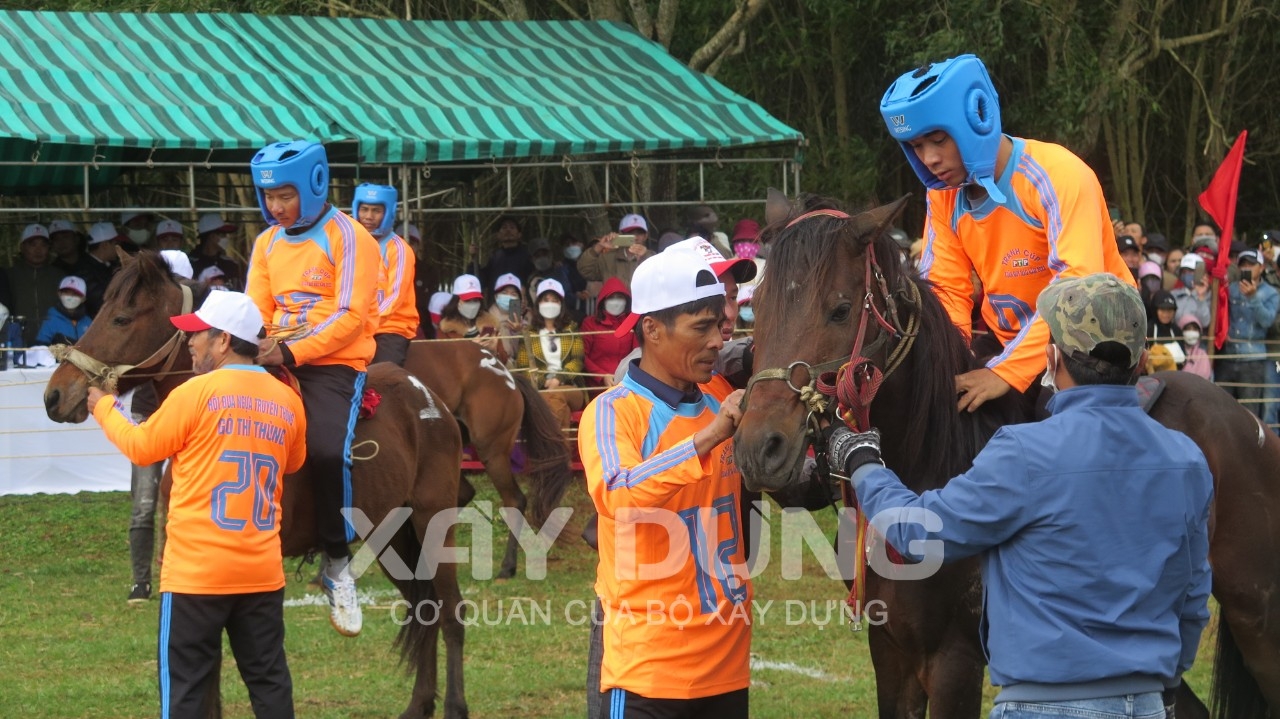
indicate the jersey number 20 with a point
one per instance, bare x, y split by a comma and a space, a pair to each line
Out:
259, 471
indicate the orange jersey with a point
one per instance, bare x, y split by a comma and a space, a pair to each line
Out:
1053, 224
397, 299
233, 434
326, 277
684, 632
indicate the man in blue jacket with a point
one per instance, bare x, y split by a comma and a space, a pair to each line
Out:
1092, 524
1253, 308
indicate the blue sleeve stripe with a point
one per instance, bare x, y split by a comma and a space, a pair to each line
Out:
1049, 200
389, 301
1013, 343
606, 418
926, 255
348, 272
660, 462
119, 407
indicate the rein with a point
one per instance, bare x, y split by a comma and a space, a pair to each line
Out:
107, 376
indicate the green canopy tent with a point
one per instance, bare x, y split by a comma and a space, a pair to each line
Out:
85, 94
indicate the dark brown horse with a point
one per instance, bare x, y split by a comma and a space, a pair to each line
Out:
927, 655
414, 450
495, 407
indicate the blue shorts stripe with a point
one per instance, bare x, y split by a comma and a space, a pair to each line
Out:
347, 494
166, 617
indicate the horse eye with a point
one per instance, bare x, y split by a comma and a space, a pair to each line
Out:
121, 320
841, 313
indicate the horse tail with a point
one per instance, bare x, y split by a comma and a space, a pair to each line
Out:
415, 637
1235, 693
547, 457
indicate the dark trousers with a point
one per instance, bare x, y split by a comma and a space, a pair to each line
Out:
622, 704
391, 348
331, 396
190, 649
1253, 372
595, 657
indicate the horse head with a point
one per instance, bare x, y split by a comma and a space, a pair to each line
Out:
810, 306
130, 332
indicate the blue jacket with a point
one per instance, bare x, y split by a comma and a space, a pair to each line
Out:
1092, 526
1250, 318
56, 323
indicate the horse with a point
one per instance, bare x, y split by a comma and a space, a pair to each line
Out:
827, 278
494, 407
410, 453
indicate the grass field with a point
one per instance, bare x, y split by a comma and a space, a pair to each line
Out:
73, 648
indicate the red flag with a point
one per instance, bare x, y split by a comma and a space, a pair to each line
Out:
1219, 200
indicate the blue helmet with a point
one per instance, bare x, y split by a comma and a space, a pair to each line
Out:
957, 97
300, 163
371, 194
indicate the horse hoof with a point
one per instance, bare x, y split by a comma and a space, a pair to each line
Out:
506, 573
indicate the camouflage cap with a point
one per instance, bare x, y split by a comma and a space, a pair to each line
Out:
1084, 312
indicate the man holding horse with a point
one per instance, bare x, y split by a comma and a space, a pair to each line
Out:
1019, 213
375, 209
314, 276
665, 484
233, 432
1092, 525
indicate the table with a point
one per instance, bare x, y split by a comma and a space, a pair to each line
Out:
39, 455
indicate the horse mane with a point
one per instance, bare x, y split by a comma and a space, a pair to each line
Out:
938, 442
144, 273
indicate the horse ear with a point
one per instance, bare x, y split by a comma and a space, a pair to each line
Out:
871, 224
124, 257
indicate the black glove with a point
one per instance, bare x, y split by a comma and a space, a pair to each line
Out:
847, 450
1170, 697
61, 339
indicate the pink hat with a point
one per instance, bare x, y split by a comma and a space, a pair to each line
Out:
1185, 320
1149, 269
746, 231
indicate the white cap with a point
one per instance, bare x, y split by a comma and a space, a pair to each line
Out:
467, 287
745, 293
438, 301
72, 283
34, 230
169, 227
210, 272
743, 270
126, 216
508, 280
633, 222
550, 285
669, 279
231, 312
102, 232
213, 221
1190, 261
179, 263
411, 232
61, 226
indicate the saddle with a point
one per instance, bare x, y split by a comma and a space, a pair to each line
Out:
369, 401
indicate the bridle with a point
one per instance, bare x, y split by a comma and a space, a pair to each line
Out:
106, 376
853, 381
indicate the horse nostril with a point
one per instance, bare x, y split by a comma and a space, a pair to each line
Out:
773, 446
51, 399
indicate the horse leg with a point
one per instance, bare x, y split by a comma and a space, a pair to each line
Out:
1258, 642
1188, 705
446, 615
496, 456
899, 693
466, 491
954, 682
451, 609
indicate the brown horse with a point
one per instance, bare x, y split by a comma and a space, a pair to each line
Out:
494, 407
413, 452
927, 655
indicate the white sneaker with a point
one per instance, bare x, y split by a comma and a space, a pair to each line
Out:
344, 606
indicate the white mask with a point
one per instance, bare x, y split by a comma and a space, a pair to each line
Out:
140, 237
1191, 337
1156, 257
469, 309
71, 301
1047, 379
549, 310
615, 305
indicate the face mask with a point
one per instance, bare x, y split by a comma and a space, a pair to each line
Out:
469, 309
1191, 337
549, 310
140, 237
1151, 284
542, 264
1156, 257
572, 252
615, 306
504, 302
71, 301
747, 314
1046, 379
1188, 279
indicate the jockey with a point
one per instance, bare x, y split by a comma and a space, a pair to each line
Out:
1020, 213
312, 271
375, 209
